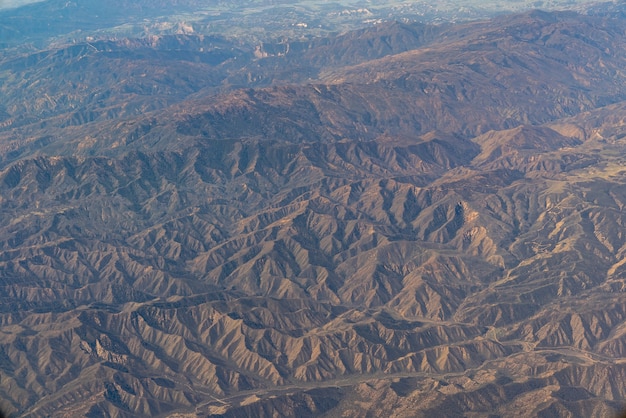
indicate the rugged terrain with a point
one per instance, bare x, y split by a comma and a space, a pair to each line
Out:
405, 220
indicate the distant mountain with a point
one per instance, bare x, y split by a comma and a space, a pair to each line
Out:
37, 24
405, 220
39, 21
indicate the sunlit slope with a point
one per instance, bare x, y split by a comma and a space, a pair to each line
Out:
435, 228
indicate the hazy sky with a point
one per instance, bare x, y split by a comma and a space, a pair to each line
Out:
4, 4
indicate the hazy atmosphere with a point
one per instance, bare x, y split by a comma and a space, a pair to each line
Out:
13, 3
312, 209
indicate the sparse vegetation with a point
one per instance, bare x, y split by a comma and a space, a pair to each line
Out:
400, 220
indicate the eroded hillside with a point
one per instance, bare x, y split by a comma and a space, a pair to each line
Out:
428, 221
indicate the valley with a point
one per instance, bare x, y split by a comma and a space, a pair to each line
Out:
411, 219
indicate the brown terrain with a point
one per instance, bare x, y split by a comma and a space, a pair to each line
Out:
407, 221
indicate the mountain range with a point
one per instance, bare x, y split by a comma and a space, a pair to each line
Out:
407, 220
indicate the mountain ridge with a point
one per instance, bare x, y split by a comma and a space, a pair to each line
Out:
406, 236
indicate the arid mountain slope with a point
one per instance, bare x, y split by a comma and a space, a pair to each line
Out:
466, 80
429, 228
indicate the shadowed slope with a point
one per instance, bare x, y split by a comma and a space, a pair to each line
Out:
437, 231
